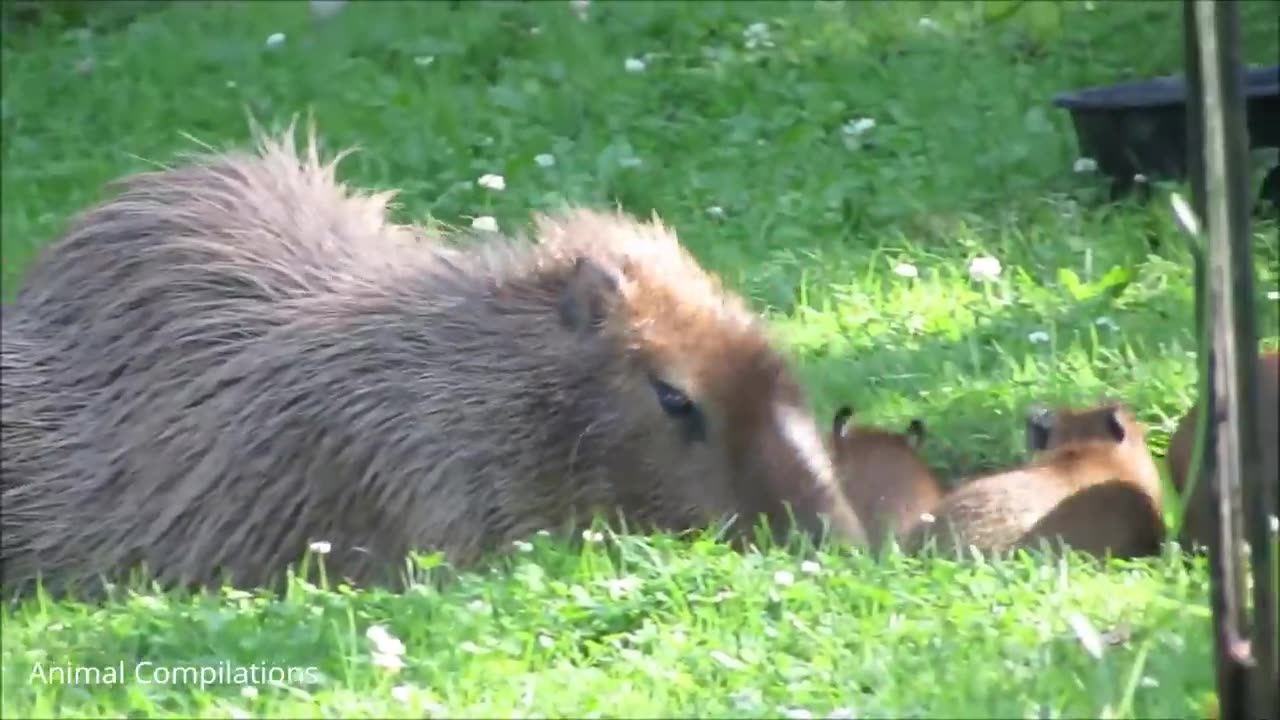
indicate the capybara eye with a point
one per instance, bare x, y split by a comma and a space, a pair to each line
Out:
680, 407
676, 403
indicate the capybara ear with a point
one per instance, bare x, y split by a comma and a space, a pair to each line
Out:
841, 420
915, 432
1115, 424
1040, 423
587, 294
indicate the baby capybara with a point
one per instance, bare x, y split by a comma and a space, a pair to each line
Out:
1092, 485
1198, 508
883, 476
260, 360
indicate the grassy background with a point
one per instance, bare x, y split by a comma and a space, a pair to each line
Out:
741, 142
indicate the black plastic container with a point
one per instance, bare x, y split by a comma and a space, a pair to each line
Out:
1139, 127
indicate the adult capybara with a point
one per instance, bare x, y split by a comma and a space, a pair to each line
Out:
1092, 485
883, 476
1198, 507
261, 360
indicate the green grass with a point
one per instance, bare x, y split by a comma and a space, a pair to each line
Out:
967, 158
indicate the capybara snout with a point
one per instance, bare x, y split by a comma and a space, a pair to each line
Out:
238, 356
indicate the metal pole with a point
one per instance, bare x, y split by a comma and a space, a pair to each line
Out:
1227, 453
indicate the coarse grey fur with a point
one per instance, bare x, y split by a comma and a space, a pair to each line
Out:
239, 356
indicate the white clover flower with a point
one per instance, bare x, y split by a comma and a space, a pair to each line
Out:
858, 126
810, 567
388, 662
384, 642
401, 693
593, 536
522, 545
485, 223
928, 518
1275, 524
782, 577
320, 547
984, 269
634, 65
1038, 336
326, 8
391, 646
544, 160
715, 211
376, 634
275, 40
1084, 165
1139, 178
248, 692
906, 270
424, 60
489, 181
621, 587
1273, 295
545, 642
757, 36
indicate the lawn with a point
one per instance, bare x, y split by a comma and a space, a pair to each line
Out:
841, 164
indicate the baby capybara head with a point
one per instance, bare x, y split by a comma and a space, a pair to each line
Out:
865, 442
1107, 433
704, 417
882, 474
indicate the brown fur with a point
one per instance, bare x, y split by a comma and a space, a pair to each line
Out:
246, 357
1198, 509
1092, 485
883, 475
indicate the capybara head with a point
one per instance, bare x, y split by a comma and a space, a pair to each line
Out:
882, 474
1198, 521
260, 359
702, 414
1107, 433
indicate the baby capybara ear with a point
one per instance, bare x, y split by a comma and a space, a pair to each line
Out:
1115, 424
915, 432
589, 290
840, 421
1040, 423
